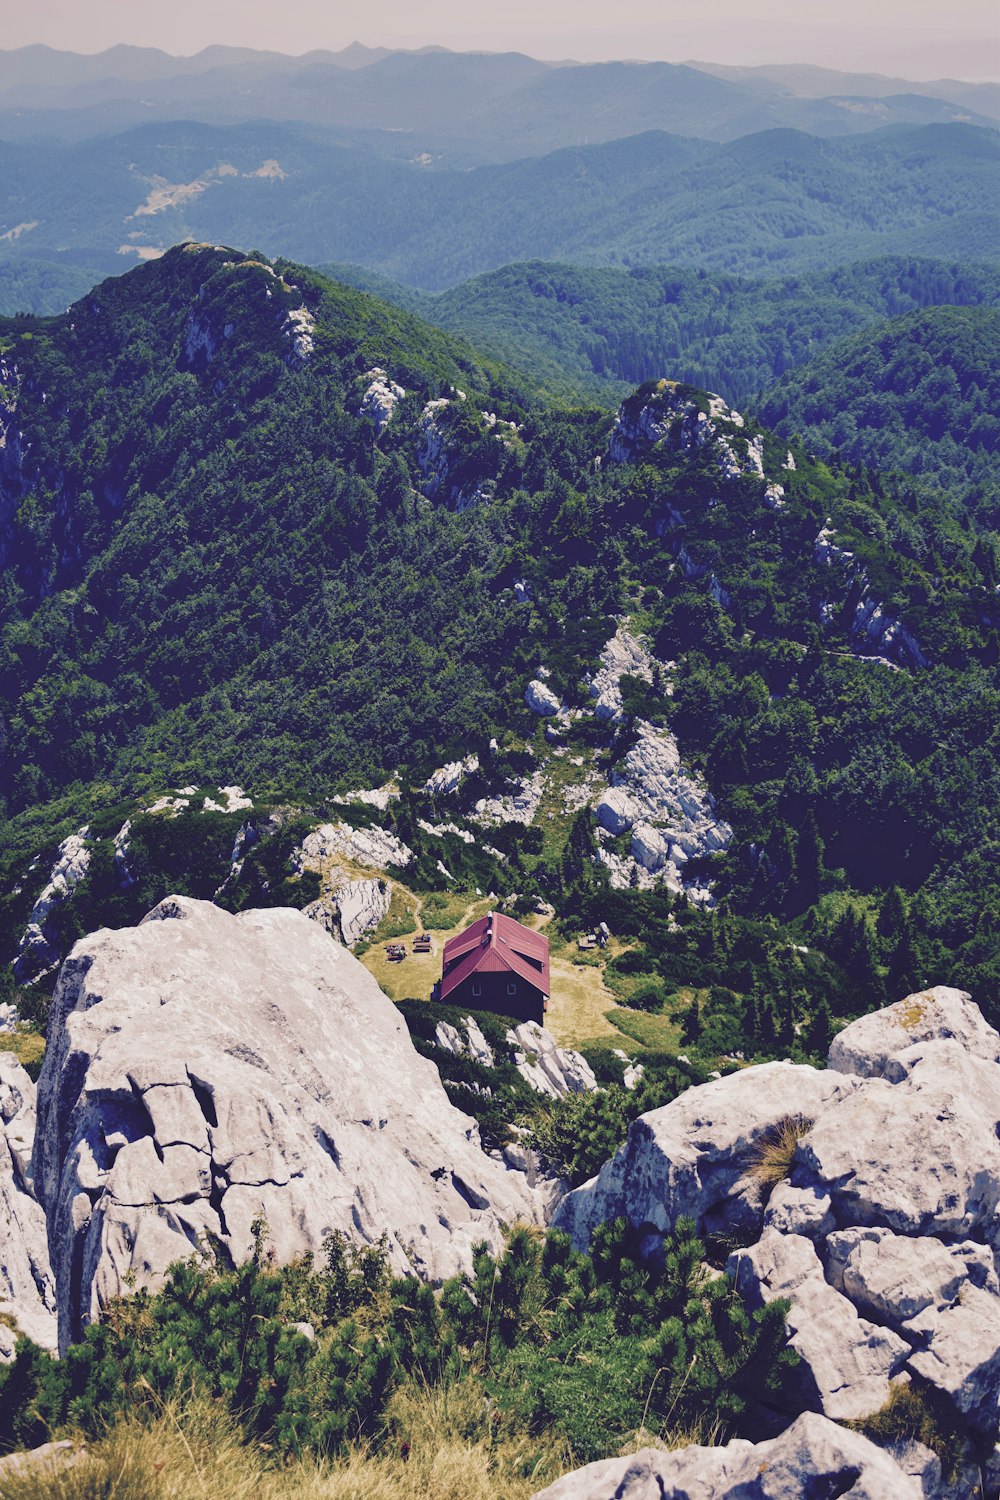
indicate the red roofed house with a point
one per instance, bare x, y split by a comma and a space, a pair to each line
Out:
499, 965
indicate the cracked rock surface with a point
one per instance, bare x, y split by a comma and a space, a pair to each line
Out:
204, 1069
883, 1230
814, 1459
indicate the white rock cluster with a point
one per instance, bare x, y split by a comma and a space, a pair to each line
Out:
381, 398
379, 797
374, 847
812, 1457
448, 779
204, 1069
71, 865
669, 815
544, 1066
541, 699
298, 328
624, 655
885, 1235
677, 421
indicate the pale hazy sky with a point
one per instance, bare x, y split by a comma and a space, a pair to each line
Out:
920, 39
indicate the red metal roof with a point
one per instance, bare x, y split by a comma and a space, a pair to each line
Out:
495, 944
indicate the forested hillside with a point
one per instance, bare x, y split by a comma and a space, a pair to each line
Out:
596, 333
919, 393
776, 202
258, 527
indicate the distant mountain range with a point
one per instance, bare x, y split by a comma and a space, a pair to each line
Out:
777, 203
461, 108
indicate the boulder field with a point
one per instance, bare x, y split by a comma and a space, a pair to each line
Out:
205, 1070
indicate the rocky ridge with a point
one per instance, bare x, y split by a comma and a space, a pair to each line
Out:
205, 1070
867, 1194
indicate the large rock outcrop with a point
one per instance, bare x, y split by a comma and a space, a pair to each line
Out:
884, 1230
205, 1069
27, 1286
812, 1458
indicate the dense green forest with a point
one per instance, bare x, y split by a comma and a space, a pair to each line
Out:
589, 333
920, 393
218, 569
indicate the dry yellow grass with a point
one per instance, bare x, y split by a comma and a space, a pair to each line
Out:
775, 1148
27, 1046
446, 1434
415, 976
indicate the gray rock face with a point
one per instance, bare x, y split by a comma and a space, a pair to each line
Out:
694, 1157
846, 1361
204, 1069
27, 1286
885, 1234
812, 1458
868, 1046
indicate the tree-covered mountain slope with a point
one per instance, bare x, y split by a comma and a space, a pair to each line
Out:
776, 202
259, 528
920, 393
595, 333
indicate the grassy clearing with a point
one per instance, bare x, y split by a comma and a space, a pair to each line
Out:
660, 1033
552, 816
416, 975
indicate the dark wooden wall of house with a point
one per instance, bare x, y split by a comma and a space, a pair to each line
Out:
526, 1004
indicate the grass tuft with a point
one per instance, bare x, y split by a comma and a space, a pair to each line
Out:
774, 1149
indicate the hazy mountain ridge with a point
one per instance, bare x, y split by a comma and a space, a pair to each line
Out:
508, 104
783, 201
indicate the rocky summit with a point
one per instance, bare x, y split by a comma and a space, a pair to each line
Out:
206, 1071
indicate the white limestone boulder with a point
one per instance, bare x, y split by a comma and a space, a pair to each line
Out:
361, 904
204, 1069
960, 1355
541, 699
868, 1045
617, 810
894, 1277
695, 1156
846, 1362
812, 1457
27, 1285
920, 1157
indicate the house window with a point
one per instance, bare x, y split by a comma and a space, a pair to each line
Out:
512, 989
477, 989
